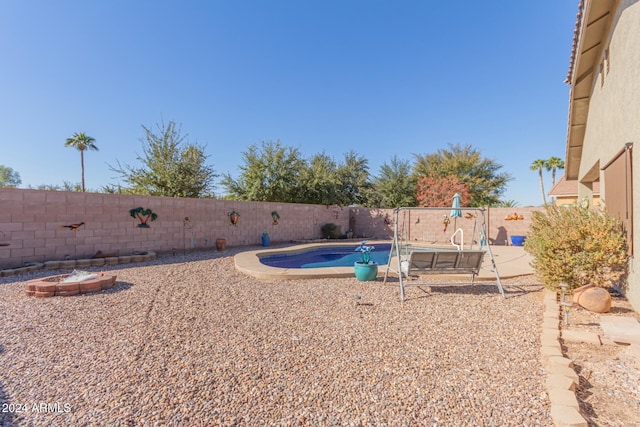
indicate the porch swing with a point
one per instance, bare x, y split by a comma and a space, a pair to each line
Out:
413, 260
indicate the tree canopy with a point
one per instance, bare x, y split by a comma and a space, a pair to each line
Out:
270, 173
273, 172
171, 166
319, 181
8, 177
394, 184
481, 176
438, 191
353, 180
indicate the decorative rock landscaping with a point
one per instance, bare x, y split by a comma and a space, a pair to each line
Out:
597, 300
81, 263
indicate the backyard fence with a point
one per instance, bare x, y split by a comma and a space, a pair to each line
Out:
40, 225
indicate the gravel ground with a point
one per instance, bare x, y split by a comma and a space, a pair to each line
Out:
191, 341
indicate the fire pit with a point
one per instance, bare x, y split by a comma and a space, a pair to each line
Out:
55, 285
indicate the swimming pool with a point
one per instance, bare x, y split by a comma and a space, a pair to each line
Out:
333, 256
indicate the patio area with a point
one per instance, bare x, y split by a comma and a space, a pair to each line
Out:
189, 340
511, 261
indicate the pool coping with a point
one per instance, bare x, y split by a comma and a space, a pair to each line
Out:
511, 262
249, 263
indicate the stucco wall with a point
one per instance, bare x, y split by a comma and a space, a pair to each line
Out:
615, 100
31, 224
614, 113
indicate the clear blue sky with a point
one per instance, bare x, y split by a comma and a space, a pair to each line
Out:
379, 77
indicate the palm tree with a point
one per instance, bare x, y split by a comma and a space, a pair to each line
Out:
538, 165
81, 142
552, 164
508, 204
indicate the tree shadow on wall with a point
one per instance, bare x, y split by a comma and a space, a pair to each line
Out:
378, 224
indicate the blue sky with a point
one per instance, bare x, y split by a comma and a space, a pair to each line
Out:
379, 77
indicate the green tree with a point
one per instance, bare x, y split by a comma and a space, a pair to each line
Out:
538, 165
81, 142
394, 184
66, 186
318, 181
270, 173
8, 177
171, 166
353, 180
481, 176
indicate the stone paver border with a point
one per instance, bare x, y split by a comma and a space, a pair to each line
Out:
561, 379
80, 263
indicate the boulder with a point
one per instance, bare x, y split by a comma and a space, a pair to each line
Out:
595, 299
577, 292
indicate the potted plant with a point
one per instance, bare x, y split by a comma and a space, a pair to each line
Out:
265, 239
276, 216
349, 233
233, 217
365, 270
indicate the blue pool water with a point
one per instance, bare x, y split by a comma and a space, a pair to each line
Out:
343, 256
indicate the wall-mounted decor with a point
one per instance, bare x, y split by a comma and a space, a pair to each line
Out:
514, 217
233, 217
143, 215
276, 216
336, 209
2, 239
73, 227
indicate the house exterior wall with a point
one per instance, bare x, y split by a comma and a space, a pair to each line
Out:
613, 115
572, 200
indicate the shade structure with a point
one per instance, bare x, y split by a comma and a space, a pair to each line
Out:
455, 208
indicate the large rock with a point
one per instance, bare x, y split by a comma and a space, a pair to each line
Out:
595, 299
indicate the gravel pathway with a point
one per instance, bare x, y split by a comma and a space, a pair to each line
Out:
191, 341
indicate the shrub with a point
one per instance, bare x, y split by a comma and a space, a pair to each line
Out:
438, 191
577, 246
331, 231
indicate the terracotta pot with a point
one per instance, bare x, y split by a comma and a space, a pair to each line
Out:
221, 244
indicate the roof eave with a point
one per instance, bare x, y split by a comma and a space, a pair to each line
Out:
591, 30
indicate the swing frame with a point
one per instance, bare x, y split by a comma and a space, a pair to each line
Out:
456, 260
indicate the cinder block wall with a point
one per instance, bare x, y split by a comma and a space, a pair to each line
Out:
427, 225
31, 224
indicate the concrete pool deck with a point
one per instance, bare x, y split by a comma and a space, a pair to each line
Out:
511, 261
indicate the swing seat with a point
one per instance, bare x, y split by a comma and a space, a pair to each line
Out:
445, 261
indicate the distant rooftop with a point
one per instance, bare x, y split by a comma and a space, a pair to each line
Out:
570, 188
